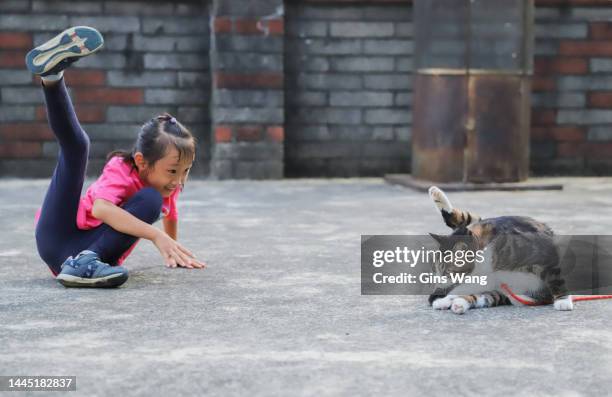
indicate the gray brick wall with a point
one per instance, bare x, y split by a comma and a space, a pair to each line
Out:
571, 104
330, 91
348, 87
155, 59
247, 106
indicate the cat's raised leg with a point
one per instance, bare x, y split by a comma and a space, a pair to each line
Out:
440, 200
453, 217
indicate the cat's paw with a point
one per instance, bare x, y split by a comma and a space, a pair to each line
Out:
460, 306
440, 199
442, 303
564, 303
437, 294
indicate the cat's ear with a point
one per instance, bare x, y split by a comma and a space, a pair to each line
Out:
439, 239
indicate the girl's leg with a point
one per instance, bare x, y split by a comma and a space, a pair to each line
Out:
111, 244
57, 222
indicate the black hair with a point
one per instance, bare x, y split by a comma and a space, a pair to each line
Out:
154, 138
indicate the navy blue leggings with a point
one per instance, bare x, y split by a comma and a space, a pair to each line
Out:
57, 235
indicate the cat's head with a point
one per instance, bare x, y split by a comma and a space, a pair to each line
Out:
456, 252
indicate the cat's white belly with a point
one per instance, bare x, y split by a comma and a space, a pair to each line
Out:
520, 283
523, 284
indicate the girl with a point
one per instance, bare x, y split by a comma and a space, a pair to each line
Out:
83, 239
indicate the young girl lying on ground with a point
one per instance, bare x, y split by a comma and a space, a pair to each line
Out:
83, 240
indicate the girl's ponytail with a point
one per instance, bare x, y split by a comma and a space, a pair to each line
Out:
154, 138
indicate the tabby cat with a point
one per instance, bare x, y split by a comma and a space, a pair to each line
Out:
518, 251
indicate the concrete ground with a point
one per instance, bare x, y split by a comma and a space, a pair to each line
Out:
279, 310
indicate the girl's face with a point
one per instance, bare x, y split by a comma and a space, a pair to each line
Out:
167, 174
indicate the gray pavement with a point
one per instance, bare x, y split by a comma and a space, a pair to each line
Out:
279, 310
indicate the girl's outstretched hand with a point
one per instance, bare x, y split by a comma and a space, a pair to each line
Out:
174, 254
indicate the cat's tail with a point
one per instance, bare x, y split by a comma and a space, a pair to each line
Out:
453, 217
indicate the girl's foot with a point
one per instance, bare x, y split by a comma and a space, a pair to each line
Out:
86, 270
61, 51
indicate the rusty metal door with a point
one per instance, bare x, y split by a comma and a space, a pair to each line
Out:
472, 87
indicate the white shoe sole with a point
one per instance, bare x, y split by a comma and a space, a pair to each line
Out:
46, 56
113, 280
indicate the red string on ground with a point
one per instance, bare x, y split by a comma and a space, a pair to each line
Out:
532, 303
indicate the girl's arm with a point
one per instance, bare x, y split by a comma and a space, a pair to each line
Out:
174, 254
122, 221
170, 227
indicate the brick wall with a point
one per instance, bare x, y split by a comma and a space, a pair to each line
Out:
247, 89
572, 89
349, 93
348, 89
155, 59
319, 88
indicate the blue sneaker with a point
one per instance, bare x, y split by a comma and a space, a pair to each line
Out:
61, 51
86, 270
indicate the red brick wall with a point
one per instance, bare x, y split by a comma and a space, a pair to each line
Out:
247, 110
155, 59
572, 88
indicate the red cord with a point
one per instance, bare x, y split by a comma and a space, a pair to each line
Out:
531, 303
519, 299
591, 297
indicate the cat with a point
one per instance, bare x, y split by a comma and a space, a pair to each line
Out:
517, 251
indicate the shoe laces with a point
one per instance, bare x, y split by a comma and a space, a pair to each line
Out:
92, 262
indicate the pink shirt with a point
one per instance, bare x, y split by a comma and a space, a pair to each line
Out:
118, 182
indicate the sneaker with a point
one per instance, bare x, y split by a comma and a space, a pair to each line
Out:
61, 51
86, 270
